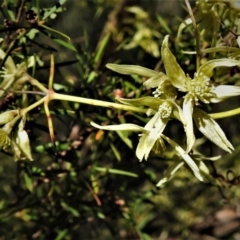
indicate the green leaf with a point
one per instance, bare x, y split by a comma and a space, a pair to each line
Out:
101, 48
116, 152
125, 138
28, 182
211, 130
68, 45
70, 209
131, 70
207, 68
115, 171
54, 9
163, 24
61, 234
173, 70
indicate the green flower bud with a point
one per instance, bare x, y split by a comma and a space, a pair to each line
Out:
7, 116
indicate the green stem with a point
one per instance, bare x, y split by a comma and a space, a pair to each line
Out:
36, 83
229, 113
57, 96
34, 105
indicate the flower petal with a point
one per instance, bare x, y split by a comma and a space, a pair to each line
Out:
120, 127
178, 113
150, 102
207, 68
131, 70
225, 91
187, 112
169, 173
155, 81
174, 72
211, 130
155, 126
189, 161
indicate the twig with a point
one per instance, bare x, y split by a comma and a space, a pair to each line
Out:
196, 33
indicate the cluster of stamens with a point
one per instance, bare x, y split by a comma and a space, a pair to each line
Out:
200, 88
165, 109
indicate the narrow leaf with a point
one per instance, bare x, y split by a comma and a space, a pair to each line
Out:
28, 182
68, 45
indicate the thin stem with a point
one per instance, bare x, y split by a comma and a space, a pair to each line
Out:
31, 107
58, 96
36, 83
196, 33
24, 92
49, 120
51, 75
225, 114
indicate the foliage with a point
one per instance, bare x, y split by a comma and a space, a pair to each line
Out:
73, 180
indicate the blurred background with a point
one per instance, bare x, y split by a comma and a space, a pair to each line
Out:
91, 185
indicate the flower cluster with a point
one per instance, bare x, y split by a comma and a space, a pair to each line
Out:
163, 107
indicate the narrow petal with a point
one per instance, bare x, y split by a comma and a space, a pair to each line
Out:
174, 72
211, 130
187, 112
155, 128
225, 91
169, 173
178, 113
131, 70
155, 81
189, 161
120, 127
207, 68
150, 102
206, 173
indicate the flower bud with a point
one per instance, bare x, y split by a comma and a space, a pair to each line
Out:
6, 117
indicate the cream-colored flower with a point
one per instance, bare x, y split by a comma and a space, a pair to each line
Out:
200, 88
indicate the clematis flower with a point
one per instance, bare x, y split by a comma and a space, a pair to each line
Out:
200, 88
150, 137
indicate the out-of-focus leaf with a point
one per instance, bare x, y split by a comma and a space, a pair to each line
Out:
28, 181
116, 152
125, 138
101, 48
61, 234
73, 211
116, 171
65, 44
